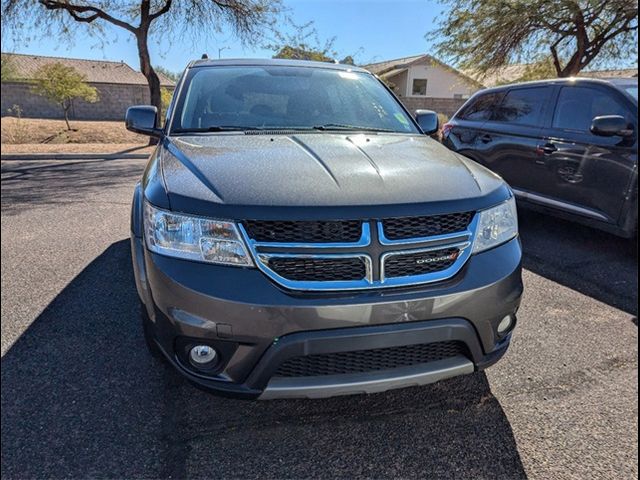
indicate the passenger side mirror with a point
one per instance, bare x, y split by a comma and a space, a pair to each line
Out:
611, 125
143, 119
428, 121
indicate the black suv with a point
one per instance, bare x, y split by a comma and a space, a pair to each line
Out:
298, 234
567, 146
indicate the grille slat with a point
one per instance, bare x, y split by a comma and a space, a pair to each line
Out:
419, 263
361, 361
319, 269
403, 228
304, 231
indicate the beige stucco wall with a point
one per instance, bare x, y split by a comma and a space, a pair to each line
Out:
441, 83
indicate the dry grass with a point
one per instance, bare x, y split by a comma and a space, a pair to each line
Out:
52, 148
53, 132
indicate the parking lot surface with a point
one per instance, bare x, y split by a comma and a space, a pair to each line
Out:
81, 397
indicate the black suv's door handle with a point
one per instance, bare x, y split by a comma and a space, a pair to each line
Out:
546, 149
486, 138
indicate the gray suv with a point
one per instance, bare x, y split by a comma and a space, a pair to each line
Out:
297, 233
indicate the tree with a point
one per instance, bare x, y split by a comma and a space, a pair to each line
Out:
166, 95
174, 76
298, 53
8, 69
61, 84
302, 42
485, 35
141, 18
534, 71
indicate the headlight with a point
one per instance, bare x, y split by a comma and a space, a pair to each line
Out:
194, 238
496, 225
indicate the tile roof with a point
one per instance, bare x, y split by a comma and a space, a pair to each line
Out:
96, 71
499, 76
621, 73
511, 73
381, 67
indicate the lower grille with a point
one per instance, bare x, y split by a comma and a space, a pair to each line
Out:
361, 361
319, 269
419, 263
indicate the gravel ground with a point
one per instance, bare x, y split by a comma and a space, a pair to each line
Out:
82, 398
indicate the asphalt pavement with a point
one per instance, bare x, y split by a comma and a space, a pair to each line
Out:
81, 397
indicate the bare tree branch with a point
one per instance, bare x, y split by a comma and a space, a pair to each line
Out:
165, 8
74, 10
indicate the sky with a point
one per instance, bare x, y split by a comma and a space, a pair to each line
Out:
374, 29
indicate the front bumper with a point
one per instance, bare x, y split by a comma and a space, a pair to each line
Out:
257, 324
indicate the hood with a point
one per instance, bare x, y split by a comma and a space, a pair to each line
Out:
322, 170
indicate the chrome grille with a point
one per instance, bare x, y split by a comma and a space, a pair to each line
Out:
361, 361
305, 231
319, 269
330, 255
426, 226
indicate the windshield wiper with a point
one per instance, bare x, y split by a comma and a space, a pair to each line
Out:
216, 128
343, 126
324, 127
236, 128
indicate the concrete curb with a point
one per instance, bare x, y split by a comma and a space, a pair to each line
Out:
73, 156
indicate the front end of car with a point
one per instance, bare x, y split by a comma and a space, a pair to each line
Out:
286, 308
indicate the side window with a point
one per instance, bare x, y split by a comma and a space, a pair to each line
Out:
577, 106
481, 108
523, 106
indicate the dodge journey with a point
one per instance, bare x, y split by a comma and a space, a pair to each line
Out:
298, 234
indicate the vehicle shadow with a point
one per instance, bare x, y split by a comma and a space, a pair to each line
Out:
81, 397
592, 262
61, 182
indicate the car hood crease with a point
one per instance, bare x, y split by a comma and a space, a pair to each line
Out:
318, 170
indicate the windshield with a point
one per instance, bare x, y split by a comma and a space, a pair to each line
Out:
276, 97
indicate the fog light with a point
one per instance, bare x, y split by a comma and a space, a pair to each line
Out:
505, 324
203, 356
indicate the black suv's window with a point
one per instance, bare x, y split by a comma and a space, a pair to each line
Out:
577, 106
523, 106
631, 90
481, 107
283, 97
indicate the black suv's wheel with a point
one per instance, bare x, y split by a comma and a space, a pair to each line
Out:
154, 350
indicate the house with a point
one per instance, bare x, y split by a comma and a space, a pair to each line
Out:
515, 73
119, 86
422, 81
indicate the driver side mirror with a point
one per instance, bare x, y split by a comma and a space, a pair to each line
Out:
143, 119
611, 126
428, 121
